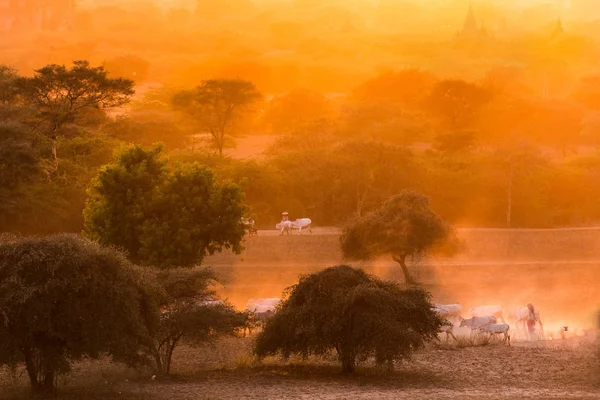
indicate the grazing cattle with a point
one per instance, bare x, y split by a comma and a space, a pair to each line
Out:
285, 227
302, 223
497, 329
210, 303
521, 315
448, 311
477, 322
484, 311
262, 305
262, 310
447, 329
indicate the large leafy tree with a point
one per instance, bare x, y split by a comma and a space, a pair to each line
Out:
166, 216
357, 315
63, 298
217, 105
58, 95
404, 226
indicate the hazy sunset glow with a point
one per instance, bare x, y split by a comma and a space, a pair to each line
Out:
361, 176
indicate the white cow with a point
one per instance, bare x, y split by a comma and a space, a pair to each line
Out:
485, 311
210, 303
477, 322
262, 305
262, 310
302, 223
523, 316
497, 329
448, 311
285, 227
447, 328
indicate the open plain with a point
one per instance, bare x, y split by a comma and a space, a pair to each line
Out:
554, 269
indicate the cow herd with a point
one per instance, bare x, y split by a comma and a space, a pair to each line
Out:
285, 227
485, 320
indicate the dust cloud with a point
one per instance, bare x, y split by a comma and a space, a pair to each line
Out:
561, 280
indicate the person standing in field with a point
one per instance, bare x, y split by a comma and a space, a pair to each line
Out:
532, 319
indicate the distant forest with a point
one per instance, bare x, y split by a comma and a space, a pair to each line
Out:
497, 122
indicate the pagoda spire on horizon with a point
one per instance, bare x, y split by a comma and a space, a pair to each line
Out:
470, 25
558, 29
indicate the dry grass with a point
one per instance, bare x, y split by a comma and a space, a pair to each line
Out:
560, 369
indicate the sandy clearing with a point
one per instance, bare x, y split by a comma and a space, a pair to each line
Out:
566, 369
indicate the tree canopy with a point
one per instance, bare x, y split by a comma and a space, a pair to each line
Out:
359, 316
217, 105
57, 95
63, 298
405, 225
163, 215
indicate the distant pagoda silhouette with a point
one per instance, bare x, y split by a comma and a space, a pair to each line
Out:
470, 32
558, 29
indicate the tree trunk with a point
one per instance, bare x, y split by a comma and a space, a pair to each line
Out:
348, 362
32, 370
407, 277
54, 152
49, 389
170, 350
221, 142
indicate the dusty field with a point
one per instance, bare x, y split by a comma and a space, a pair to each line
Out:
556, 270
559, 370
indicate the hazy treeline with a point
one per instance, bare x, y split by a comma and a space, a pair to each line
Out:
499, 123
331, 159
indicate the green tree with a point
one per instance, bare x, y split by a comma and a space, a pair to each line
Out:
163, 216
217, 105
405, 226
191, 315
59, 95
63, 298
357, 315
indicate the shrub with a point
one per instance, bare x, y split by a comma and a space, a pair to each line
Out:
63, 298
357, 315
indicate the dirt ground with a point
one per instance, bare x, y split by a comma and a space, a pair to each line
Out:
565, 369
567, 292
